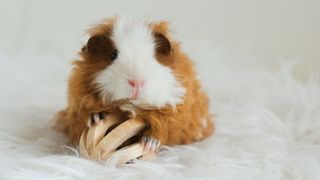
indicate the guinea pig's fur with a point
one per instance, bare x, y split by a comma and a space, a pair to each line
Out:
121, 49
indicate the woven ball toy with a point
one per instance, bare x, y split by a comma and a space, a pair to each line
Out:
116, 134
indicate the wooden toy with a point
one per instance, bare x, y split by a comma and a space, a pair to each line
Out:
114, 135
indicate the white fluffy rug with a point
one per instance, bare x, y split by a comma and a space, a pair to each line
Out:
267, 126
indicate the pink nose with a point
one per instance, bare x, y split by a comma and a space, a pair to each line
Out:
136, 83
136, 87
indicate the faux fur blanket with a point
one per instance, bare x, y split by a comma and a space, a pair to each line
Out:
267, 126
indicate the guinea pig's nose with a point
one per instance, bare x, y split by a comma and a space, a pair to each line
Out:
136, 83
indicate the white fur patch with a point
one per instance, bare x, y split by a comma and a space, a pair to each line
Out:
136, 60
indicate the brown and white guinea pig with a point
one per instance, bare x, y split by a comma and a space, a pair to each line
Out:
138, 62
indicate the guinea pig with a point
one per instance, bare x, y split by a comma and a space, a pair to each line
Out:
140, 63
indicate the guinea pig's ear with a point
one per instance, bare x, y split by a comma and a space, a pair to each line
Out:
99, 45
163, 45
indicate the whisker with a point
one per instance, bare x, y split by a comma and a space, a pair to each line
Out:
84, 99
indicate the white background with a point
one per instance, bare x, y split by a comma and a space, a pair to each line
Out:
231, 30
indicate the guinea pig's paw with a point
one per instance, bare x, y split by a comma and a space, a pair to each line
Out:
150, 144
95, 118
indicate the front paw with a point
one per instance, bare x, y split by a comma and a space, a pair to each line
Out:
95, 118
150, 144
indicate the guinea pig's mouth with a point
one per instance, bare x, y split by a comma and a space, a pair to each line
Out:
135, 103
145, 106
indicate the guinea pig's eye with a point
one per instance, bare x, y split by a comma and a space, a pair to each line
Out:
114, 54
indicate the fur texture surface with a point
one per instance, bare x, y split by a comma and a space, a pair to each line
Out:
267, 126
